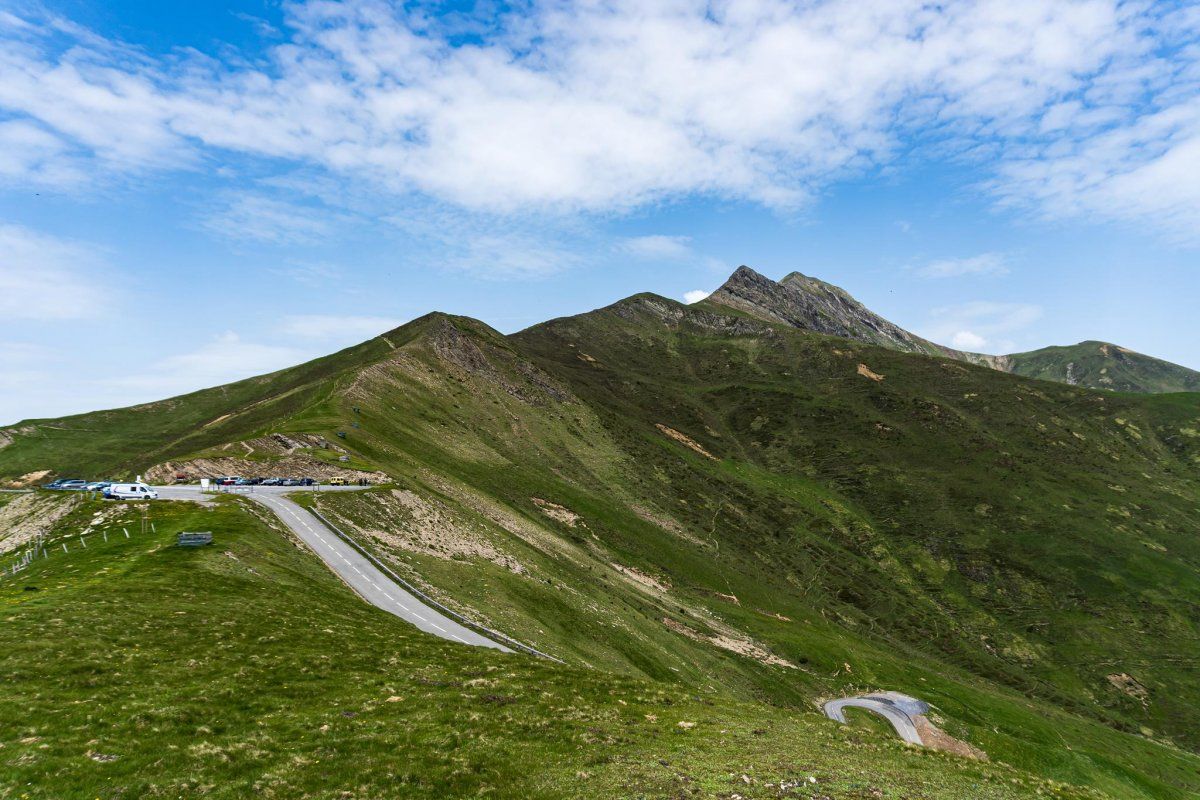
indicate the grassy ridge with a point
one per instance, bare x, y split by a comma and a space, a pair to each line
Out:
1100, 365
139, 669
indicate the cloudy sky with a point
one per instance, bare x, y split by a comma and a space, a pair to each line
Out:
196, 192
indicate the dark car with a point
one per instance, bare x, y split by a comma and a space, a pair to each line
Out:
308, 482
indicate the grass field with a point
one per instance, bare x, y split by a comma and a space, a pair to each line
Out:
134, 668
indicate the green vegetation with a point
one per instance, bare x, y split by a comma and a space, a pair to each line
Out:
1099, 365
756, 517
133, 668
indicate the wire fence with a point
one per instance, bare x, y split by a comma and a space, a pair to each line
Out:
39, 548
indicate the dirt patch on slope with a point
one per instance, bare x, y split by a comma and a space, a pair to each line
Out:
293, 466
866, 372
684, 440
404, 520
734, 643
641, 579
937, 739
557, 512
31, 515
537, 537
27, 480
1129, 685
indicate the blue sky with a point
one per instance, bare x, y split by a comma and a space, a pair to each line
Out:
192, 193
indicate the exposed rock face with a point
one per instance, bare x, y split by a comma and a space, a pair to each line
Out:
31, 515
497, 365
289, 466
814, 305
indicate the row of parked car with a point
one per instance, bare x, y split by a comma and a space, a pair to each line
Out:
234, 480
111, 490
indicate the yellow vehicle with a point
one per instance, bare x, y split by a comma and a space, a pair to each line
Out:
338, 482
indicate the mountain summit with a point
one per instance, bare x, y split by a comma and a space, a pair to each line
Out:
811, 304
814, 305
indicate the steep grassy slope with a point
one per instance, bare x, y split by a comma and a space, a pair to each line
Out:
132, 668
1039, 535
117, 443
557, 510
1100, 365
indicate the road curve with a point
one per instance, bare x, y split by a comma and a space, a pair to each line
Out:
885, 707
375, 586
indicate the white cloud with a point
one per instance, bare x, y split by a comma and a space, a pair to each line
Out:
695, 296
984, 264
1083, 106
223, 359
266, 219
44, 278
967, 340
490, 246
657, 247
981, 325
328, 327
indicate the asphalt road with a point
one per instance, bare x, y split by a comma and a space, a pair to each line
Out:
896, 708
350, 565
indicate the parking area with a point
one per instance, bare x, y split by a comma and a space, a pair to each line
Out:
140, 490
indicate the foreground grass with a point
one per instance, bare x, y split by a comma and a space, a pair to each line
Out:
133, 668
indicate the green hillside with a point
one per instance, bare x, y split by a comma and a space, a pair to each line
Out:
1099, 365
133, 668
760, 515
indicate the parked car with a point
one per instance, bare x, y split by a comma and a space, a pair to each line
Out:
229, 480
338, 482
307, 482
97, 486
54, 484
73, 486
131, 491
271, 482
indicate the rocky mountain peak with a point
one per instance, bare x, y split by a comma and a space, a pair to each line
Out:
814, 305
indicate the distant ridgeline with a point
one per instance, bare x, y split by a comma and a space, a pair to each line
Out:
813, 305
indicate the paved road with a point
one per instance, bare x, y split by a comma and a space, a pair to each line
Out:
352, 566
896, 708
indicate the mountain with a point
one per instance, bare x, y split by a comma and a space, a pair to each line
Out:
1100, 365
753, 514
814, 305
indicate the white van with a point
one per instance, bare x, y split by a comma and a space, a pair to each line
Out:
131, 491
